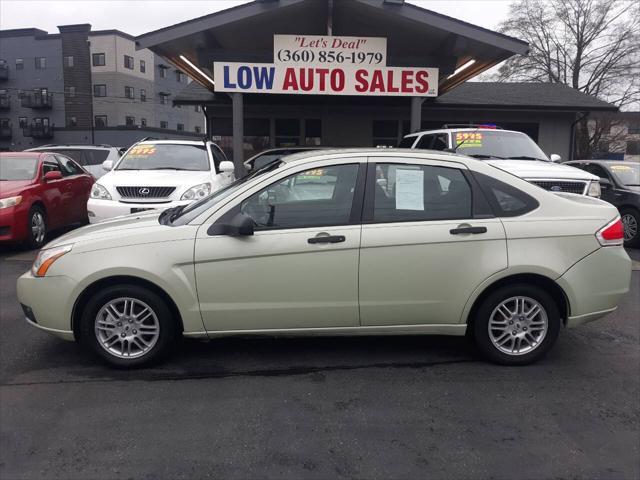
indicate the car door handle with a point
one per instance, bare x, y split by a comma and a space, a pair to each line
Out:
327, 239
472, 230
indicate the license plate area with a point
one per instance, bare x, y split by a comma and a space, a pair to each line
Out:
138, 210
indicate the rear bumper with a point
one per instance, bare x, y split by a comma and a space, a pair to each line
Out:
595, 285
99, 210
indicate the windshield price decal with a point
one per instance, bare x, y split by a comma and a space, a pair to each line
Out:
142, 151
319, 49
468, 139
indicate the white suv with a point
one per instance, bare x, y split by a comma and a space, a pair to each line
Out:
511, 151
159, 174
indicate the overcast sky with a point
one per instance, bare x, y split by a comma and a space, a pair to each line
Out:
140, 16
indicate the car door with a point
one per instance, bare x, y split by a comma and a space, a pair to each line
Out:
79, 183
428, 240
300, 268
53, 194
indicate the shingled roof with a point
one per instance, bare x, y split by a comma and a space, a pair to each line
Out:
517, 96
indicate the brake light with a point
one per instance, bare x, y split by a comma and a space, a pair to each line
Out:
611, 234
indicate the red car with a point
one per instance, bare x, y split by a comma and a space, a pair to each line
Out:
40, 192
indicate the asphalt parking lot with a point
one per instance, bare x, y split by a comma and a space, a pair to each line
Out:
368, 407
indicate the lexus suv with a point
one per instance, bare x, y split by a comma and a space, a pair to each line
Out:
508, 150
159, 174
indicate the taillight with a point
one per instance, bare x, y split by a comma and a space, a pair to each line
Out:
612, 233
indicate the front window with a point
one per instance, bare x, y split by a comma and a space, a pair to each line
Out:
497, 144
407, 142
313, 198
627, 173
18, 167
165, 157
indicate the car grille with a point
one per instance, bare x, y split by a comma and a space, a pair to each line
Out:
561, 186
145, 192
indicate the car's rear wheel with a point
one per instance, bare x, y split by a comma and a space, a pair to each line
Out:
128, 326
630, 220
516, 325
36, 227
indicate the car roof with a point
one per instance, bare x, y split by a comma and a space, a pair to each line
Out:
43, 148
25, 154
302, 157
173, 142
603, 161
469, 129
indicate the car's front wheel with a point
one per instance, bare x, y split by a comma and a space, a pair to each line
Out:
128, 326
516, 325
36, 227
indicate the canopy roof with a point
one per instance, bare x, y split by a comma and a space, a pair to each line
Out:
415, 36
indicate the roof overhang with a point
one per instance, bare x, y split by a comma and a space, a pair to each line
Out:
415, 36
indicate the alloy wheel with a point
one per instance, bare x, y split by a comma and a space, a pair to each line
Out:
630, 225
127, 327
518, 325
38, 227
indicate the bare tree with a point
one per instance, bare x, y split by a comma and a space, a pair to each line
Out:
590, 45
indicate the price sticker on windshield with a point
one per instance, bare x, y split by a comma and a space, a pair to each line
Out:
469, 139
142, 151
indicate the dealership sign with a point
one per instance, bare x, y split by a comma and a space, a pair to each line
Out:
322, 65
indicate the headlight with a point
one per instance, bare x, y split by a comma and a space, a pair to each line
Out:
47, 257
594, 189
10, 201
197, 192
99, 192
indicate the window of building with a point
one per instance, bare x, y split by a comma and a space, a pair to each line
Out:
313, 132
385, 133
72, 122
287, 132
197, 129
68, 61
164, 124
314, 198
128, 62
633, 128
163, 72
197, 108
143, 122
163, 99
143, 66
129, 121
70, 91
99, 90
98, 59
180, 127
100, 121
41, 63
410, 193
143, 95
128, 92
23, 122
19, 64
179, 76
633, 147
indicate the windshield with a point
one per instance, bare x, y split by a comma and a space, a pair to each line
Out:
162, 156
18, 168
194, 209
627, 174
497, 144
407, 142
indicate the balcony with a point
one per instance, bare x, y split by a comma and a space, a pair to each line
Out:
40, 101
5, 132
4, 72
36, 130
5, 104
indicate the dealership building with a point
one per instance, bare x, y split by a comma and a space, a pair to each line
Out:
354, 73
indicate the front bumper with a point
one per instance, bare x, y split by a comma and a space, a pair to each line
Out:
595, 285
99, 210
50, 300
13, 224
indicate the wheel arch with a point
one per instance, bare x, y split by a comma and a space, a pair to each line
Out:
546, 283
85, 295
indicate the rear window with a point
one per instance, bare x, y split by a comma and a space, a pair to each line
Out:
505, 200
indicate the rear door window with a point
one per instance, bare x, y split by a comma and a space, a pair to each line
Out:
505, 200
68, 166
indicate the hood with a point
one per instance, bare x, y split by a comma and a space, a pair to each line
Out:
11, 188
155, 178
536, 169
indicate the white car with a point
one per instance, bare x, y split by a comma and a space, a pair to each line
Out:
159, 174
90, 157
511, 151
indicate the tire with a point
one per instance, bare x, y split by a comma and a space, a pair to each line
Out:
631, 220
36, 228
536, 335
121, 339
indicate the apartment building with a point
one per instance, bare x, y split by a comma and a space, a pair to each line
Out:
88, 87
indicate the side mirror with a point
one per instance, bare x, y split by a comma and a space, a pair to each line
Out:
554, 157
605, 182
52, 175
226, 167
240, 225
107, 165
